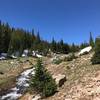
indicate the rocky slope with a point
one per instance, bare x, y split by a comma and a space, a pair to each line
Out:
83, 79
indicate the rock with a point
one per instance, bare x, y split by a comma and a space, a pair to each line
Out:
12, 62
1, 73
37, 97
60, 79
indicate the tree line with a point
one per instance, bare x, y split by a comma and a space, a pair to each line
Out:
14, 40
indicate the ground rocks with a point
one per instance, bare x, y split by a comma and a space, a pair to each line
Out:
60, 79
29, 96
37, 97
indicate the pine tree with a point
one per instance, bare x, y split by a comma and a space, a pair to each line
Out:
53, 45
91, 41
7, 37
74, 48
0, 37
96, 57
38, 38
61, 46
83, 45
42, 81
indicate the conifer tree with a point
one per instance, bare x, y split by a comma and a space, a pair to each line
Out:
53, 45
83, 45
42, 81
96, 57
38, 38
91, 41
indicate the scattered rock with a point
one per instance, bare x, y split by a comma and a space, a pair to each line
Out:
1, 73
12, 62
60, 79
37, 97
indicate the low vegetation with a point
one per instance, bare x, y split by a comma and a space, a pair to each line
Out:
57, 61
71, 57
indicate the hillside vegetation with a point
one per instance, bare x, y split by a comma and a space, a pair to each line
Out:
79, 66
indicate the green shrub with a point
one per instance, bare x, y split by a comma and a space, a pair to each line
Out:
42, 81
57, 61
71, 57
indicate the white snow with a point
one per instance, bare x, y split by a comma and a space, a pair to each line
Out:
22, 83
25, 53
12, 96
87, 49
4, 54
14, 57
2, 58
35, 53
39, 56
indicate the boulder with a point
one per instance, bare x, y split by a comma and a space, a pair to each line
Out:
60, 79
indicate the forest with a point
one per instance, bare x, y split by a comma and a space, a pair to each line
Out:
15, 40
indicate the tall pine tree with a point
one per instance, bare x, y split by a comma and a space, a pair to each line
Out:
91, 41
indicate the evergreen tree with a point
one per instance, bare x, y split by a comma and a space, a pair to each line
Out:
91, 41
7, 37
42, 81
96, 57
16, 40
83, 45
74, 48
0, 37
66, 48
61, 46
53, 45
38, 38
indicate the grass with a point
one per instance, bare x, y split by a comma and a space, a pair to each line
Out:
11, 68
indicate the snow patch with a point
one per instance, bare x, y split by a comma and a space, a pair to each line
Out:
21, 85
85, 50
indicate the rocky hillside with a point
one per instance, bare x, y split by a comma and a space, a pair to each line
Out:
82, 79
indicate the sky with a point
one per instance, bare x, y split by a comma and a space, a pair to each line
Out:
70, 20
